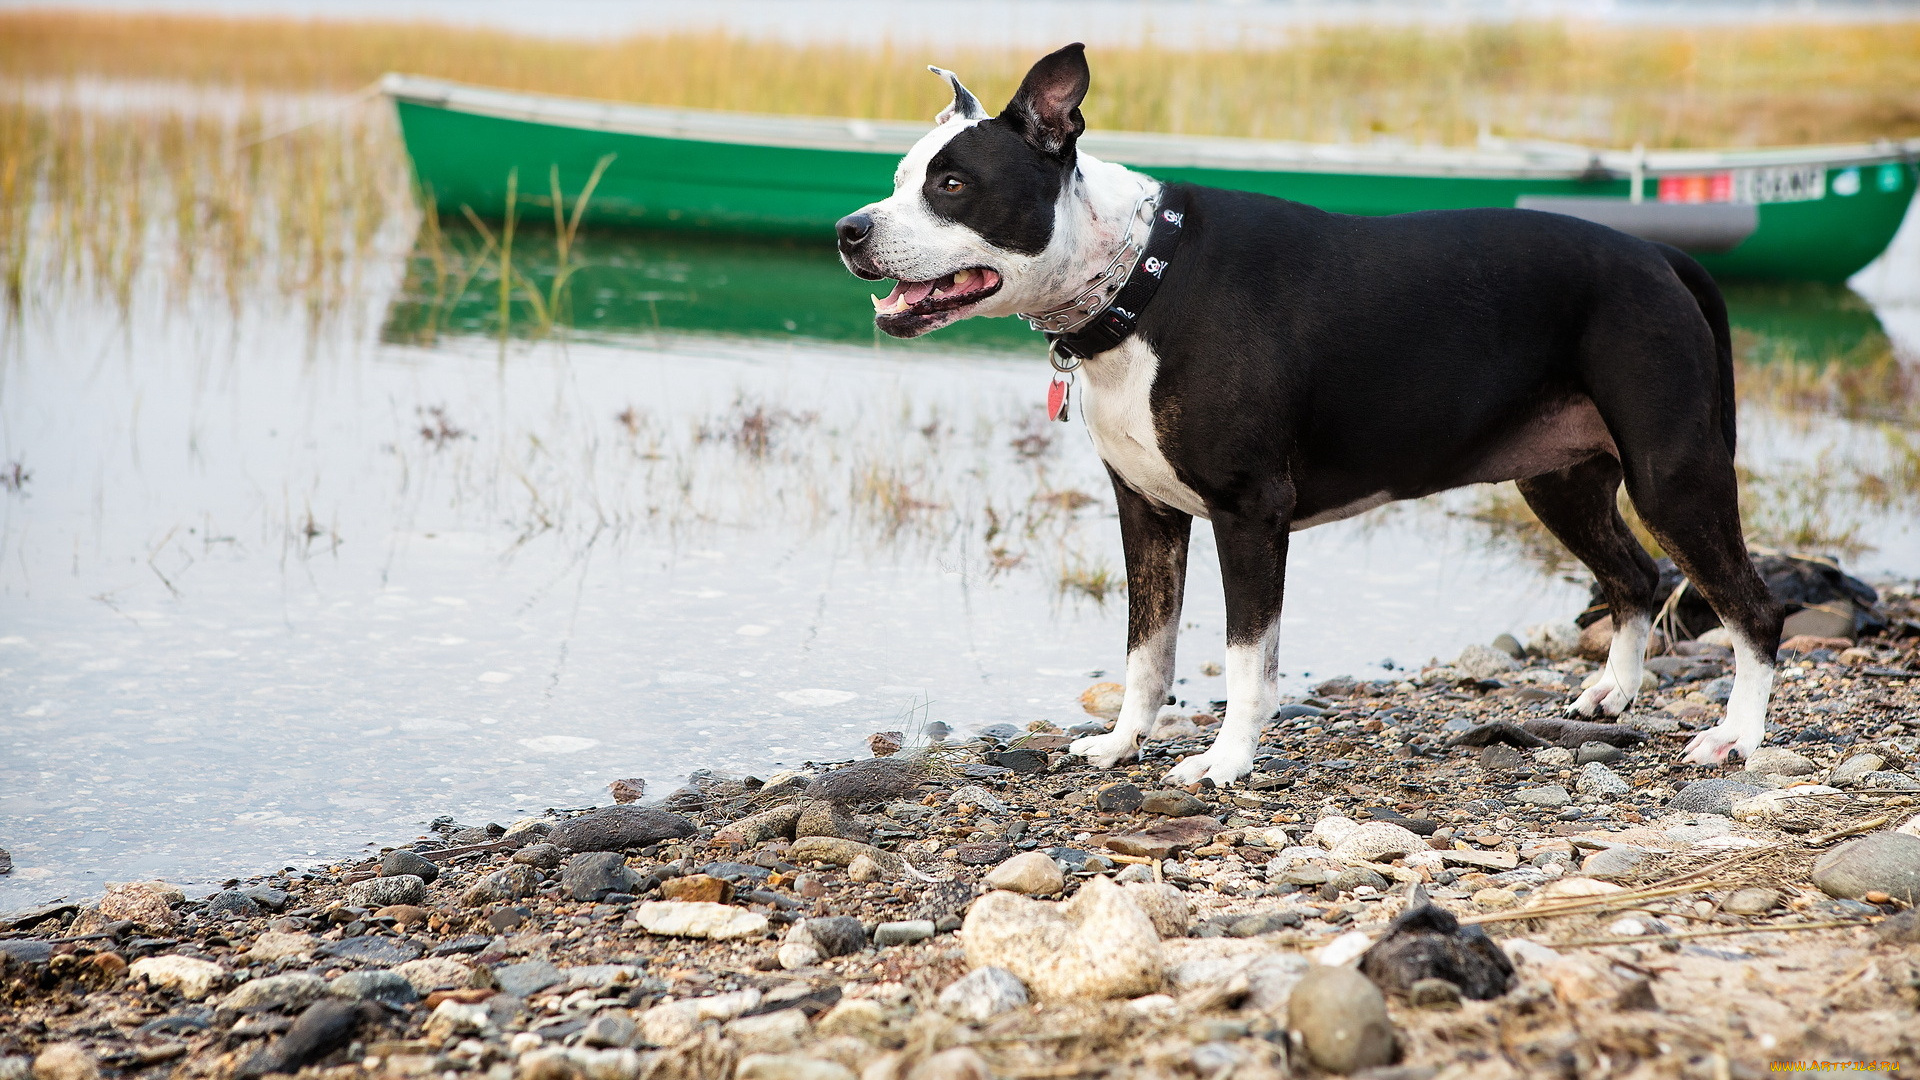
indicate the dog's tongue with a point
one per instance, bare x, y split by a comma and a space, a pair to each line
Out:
912, 292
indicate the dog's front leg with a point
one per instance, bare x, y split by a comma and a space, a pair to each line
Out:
1155, 539
1252, 538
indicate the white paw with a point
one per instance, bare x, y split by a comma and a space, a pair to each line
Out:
1222, 769
1105, 751
1604, 696
1712, 746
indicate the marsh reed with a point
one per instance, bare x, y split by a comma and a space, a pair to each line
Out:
1665, 86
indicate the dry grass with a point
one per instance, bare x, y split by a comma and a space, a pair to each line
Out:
1665, 86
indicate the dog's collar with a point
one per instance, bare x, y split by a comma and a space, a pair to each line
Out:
1106, 312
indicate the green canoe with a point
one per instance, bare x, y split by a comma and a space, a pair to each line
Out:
1802, 213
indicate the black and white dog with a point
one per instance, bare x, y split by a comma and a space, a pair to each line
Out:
1297, 367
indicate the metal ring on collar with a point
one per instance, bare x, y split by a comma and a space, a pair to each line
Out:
1054, 355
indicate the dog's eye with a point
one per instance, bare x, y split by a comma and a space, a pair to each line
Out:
952, 184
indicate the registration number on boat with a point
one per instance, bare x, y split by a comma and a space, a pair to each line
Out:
1780, 183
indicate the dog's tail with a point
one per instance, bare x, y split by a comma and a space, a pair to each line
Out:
1714, 306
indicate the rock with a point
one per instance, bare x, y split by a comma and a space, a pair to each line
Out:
836, 852
591, 875
1781, 803
1819, 622
1120, 798
148, 903
1133, 872
1340, 1018
1596, 640
1033, 873
1610, 864
861, 1018
1552, 640
1501, 758
1558, 757
1103, 699
1901, 929
832, 819
758, 828
267, 896
65, 1061
1780, 760
1711, 796
1355, 877
714, 921
1173, 725
1428, 942
539, 856
1495, 899
904, 932
1855, 769
790, 1067
1481, 860
527, 977
979, 798
1887, 862
870, 781
769, 1033
1173, 804
630, 790
959, 1063
435, 973
863, 868
610, 1029
324, 1027
1753, 901
404, 916
1598, 781
697, 888
580, 1063
983, 994
619, 828
1164, 905
1551, 796
1484, 662
1378, 841
191, 978
402, 861
293, 990
274, 945
1097, 945
515, 882
1164, 839
1604, 753
811, 940
230, 904
381, 891
385, 987
1332, 829
372, 950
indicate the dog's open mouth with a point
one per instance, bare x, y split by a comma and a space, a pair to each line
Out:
915, 307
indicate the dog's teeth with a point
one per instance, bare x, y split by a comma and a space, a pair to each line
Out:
879, 302
961, 277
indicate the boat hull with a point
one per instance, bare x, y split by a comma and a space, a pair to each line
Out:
463, 160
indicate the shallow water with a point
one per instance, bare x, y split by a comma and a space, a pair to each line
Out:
270, 592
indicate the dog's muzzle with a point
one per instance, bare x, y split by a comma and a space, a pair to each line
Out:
853, 231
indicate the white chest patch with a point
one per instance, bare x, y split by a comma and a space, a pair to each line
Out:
1116, 395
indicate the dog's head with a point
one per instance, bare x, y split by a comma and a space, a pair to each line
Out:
972, 226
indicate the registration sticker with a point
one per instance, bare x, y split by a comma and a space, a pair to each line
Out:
1781, 183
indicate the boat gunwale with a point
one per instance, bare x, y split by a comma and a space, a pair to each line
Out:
1146, 149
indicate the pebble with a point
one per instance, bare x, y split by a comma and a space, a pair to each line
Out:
811, 940
230, 904
1855, 769
1173, 803
837, 852
610, 1029
904, 932
872, 780
980, 798
1495, 899
579, 1063
65, 1061
386, 987
1557, 757
1378, 841
1354, 877
192, 978
618, 828
1121, 798
592, 875
435, 973
959, 1063
718, 922
1780, 760
379, 892
1484, 662
831, 819
149, 903
768, 1033
293, 990
789, 1067
371, 949
274, 945
1780, 803
865, 868
1167, 838
1596, 780
1604, 753
1098, 945
1033, 873
1173, 726
1551, 796
402, 861
540, 856
1887, 862
1501, 758
527, 977
516, 882
1711, 796
983, 994
1341, 1020
404, 916
1609, 864
1164, 905
758, 828
1753, 901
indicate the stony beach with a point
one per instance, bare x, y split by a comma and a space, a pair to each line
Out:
1435, 876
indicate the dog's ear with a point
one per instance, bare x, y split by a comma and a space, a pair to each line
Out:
965, 105
1046, 109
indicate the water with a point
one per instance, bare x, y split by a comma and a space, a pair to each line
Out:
271, 591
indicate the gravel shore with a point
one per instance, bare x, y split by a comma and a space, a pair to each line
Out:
1436, 876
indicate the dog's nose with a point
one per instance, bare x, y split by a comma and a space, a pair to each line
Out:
854, 228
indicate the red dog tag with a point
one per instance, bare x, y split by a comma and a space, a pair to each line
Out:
1057, 401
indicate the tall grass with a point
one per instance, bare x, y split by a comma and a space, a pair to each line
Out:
1617, 85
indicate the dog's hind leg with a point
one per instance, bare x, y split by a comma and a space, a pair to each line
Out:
1252, 540
1577, 505
1155, 539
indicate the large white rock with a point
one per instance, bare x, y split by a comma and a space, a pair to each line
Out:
274, 945
1783, 802
1164, 904
698, 919
430, 973
192, 978
1196, 965
983, 994
1033, 873
1781, 761
1332, 829
1378, 841
1095, 946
